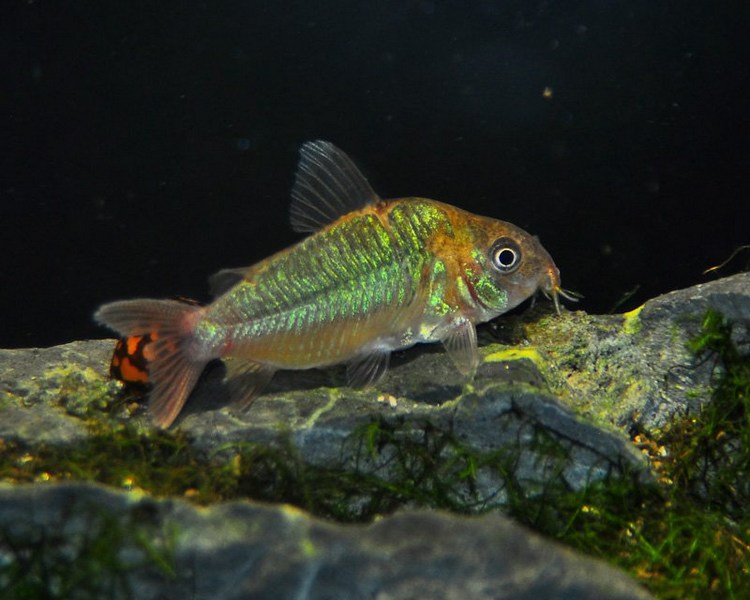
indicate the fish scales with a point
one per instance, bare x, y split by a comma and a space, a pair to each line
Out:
316, 303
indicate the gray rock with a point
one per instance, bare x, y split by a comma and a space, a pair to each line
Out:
84, 541
636, 369
36, 385
505, 409
553, 403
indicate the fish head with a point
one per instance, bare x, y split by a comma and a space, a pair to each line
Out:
510, 265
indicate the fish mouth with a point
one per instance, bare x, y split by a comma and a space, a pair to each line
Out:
552, 289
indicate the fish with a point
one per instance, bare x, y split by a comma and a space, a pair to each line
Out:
371, 277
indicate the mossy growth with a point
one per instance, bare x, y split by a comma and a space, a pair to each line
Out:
714, 449
384, 466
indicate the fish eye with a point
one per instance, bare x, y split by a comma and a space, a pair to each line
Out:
505, 255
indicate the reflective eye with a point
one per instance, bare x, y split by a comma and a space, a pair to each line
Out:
505, 255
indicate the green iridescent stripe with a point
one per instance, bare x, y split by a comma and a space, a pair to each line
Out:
343, 274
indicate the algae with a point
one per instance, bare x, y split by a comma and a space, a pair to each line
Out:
631, 321
711, 456
594, 365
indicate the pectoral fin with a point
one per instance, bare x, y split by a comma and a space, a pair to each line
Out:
461, 345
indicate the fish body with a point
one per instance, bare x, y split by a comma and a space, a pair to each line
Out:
373, 277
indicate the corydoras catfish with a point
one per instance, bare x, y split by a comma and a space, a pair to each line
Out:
372, 277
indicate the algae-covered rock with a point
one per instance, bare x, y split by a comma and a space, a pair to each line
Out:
43, 391
506, 411
635, 369
85, 541
602, 375
579, 381
552, 407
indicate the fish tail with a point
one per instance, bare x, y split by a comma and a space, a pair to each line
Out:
174, 358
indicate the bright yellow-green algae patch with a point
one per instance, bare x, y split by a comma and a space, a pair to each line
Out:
517, 353
541, 360
631, 321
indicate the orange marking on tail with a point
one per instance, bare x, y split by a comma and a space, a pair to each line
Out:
129, 362
132, 344
131, 373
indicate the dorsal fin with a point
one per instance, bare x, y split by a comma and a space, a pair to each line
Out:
327, 186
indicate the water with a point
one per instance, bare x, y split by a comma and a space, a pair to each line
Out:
145, 146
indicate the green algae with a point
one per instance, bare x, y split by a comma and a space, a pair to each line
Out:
713, 458
81, 391
594, 365
632, 322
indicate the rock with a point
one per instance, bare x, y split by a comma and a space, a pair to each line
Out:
37, 383
583, 379
635, 370
552, 404
504, 410
83, 540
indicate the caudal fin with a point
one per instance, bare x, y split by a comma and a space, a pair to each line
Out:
173, 368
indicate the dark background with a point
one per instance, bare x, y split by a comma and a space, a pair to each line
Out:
146, 145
